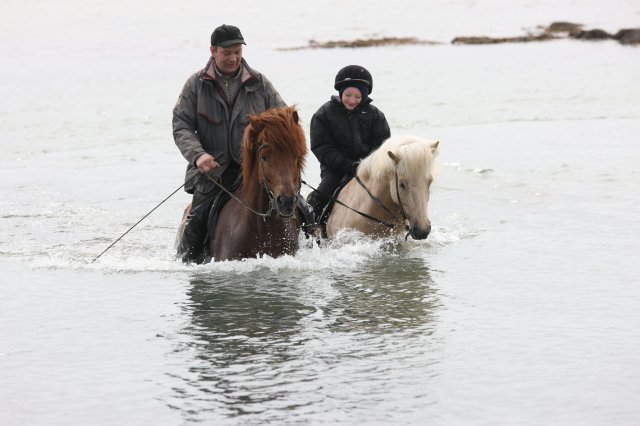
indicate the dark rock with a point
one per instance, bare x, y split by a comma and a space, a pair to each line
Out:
591, 35
369, 42
385, 41
495, 40
628, 36
559, 27
474, 40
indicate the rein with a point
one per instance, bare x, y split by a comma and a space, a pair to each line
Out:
272, 202
376, 199
232, 195
404, 215
378, 202
381, 204
363, 214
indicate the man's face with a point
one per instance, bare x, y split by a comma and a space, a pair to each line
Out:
227, 59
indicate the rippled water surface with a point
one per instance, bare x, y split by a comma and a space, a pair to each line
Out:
521, 308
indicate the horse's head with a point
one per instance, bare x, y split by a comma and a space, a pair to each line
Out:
410, 182
273, 156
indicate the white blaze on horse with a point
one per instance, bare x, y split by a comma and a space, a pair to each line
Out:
393, 191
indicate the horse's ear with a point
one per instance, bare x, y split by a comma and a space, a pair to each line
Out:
256, 124
434, 148
393, 157
295, 116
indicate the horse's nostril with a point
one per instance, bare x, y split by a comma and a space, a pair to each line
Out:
283, 201
284, 206
421, 234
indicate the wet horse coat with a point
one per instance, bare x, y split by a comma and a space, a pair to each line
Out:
273, 155
398, 176
262, 216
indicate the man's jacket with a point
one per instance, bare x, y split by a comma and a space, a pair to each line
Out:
204, 121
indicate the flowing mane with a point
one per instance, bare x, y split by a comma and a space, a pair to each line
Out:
277, 128
412, 150
263, 217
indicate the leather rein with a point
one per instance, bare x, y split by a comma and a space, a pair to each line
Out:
379, 203
272, 202
232, 195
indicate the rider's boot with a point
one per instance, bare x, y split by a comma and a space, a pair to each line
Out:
191, 246
316, 201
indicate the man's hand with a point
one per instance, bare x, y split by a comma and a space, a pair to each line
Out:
205, 163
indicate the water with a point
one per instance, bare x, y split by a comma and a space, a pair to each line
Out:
520, 308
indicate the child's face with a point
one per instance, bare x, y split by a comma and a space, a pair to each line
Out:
351, 98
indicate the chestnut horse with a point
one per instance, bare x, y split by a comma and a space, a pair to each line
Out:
262, 218
392, 188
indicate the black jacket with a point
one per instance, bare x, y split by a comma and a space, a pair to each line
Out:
340, 137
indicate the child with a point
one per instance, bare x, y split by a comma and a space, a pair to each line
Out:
345, 130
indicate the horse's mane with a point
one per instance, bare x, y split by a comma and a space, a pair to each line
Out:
277, 127
416, 158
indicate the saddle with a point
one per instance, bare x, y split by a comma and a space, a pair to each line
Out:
218, 202
322, 219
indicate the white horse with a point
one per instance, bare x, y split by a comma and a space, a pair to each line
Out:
396, 179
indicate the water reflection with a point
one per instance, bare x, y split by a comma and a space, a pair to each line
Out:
391, 294
270, 346
243, 330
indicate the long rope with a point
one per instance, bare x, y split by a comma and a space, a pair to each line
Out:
232, 195
144, 217
240, 201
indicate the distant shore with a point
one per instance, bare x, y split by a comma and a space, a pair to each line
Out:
555, 31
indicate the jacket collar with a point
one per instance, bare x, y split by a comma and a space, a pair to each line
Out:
246, 73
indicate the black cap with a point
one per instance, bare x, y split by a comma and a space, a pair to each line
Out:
226, 35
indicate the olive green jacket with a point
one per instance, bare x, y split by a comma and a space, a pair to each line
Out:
203, 120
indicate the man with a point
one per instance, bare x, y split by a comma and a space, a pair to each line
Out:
208, 123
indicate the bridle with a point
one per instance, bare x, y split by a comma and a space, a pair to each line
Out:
272, 202
376, 200
271, 207
379, 203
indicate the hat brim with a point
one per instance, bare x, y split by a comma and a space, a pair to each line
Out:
228, 43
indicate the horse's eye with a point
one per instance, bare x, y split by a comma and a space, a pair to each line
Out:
402, 185
263, 157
